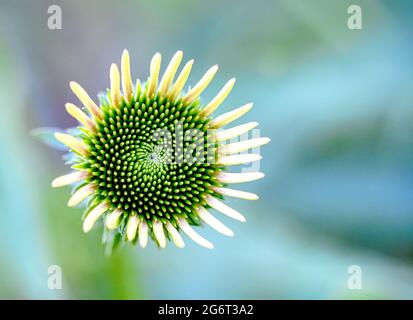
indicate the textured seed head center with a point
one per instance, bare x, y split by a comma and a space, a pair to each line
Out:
142, 172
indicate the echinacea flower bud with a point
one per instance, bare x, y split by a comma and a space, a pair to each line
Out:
151, 161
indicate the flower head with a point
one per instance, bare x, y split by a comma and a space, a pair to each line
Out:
150, 159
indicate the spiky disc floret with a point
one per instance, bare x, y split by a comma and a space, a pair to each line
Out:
138, 166
135, 171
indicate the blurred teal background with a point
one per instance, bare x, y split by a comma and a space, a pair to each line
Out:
337, 104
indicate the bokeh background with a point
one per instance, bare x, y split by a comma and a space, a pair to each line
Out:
337, 104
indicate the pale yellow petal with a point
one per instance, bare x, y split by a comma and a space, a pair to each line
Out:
80, 116
69, 179
241, 146
177, 87
176, 237
143, 234
127, 86
132, 227
194, 93
230, 116
229, 177
80, 195
214, 222
112, 220
154, 75
159, 233
170, 73
93, 216
72, 143
86, 100
219, 98
230, 133
191, 233
115, 85
236, 193
223, 208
